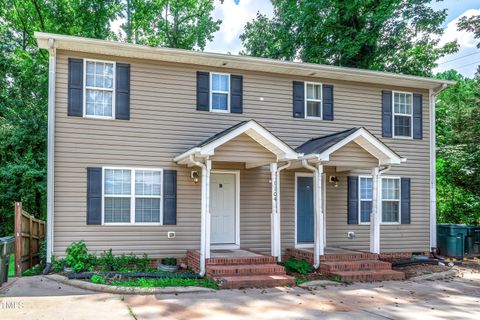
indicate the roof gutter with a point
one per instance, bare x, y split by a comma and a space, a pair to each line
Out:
51, 146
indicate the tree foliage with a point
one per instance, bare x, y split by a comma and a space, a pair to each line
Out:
186, 24
391, 35
471, 24
24, 75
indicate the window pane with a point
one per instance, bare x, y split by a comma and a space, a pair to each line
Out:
117, 182
220, 82
147, 183
314, 109
219, 101
314, 91
365, 211
390, 211
390, 189
403, 126
365, 188
99, 74
147, 210
117, 209
99, 103
402, 103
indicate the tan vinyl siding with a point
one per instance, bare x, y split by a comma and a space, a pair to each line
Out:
164, 123
352, 155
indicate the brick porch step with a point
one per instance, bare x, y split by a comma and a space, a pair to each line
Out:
254, 281
241, 260
245, 269
368, 275
349, 256
360, 265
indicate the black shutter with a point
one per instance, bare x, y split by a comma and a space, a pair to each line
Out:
352, 200
387, 125
417, 116
75, 87
169, 197
298, 99
94, 195
327, 96
203, 91
405, 200
122, 94
236, 94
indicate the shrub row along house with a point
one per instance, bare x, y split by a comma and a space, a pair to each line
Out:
237, 162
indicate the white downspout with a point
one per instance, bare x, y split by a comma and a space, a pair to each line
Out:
316, 213
50, 146
278, 240
203, 214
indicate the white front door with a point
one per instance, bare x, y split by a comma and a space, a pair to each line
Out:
222, 208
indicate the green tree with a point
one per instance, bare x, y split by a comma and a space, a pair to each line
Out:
186, 24
471, 24
392, 35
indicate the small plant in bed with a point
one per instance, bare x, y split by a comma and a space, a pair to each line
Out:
98, 279
168, 264
302, 270
165, 282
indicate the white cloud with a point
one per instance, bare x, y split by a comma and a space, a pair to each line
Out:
465, 39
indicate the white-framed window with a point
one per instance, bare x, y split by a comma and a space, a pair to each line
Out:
365, 199
99, 89
402, 114
391, 200
132, 196
313, 100
219, 92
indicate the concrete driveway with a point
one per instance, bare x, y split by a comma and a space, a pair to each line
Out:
39, 298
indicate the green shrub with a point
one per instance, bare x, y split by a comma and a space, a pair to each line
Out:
98, 279
78, 257
169, 261
57, 265
295, 265
108, 262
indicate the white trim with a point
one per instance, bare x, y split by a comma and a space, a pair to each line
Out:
314, 100
85, 88
402, 115
132, 197
238, 62
235, 245
52, 62
211, 92
251, 128
300, 174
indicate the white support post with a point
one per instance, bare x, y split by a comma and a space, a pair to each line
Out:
374, 216
324, 207
319, 216
274, 218
208, 169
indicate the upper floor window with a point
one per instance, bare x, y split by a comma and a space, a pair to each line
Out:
99, 89
220, 92
313, 100
402, 114
132, 195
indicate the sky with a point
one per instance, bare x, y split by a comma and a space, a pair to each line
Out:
236, 13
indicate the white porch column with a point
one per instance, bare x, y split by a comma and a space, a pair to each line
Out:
319, 222
208, 169
275, 221
375, 217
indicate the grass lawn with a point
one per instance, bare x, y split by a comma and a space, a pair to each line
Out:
165, 282
11, 266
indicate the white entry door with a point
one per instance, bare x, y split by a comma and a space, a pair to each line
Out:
222, 208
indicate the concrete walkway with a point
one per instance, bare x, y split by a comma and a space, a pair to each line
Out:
458, 298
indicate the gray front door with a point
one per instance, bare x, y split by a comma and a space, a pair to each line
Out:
305, 210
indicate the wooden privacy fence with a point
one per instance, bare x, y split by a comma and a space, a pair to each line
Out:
29, 232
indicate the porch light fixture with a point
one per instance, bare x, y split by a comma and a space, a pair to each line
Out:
195, 176
334, 180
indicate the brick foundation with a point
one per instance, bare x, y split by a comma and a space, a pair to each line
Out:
395, 256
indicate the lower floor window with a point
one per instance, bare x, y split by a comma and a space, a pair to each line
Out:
390, 199
132, 195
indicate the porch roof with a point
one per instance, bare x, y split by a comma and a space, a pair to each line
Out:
321, 148
251, 128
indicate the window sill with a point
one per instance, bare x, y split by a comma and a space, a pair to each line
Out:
131, 224
219, 111
402, 137
314, 118
98, 117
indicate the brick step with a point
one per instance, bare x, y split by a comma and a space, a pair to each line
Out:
368, 276
245, 269
255, 281
332, 266
241, 260
349, 257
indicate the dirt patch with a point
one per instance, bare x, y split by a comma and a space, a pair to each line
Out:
301, 278
473, 265
421, 269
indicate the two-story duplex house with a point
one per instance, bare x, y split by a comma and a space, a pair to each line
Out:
168, 152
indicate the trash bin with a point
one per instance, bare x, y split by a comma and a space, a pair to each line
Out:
6, 248
451, 239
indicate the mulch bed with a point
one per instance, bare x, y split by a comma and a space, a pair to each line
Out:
421, 269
